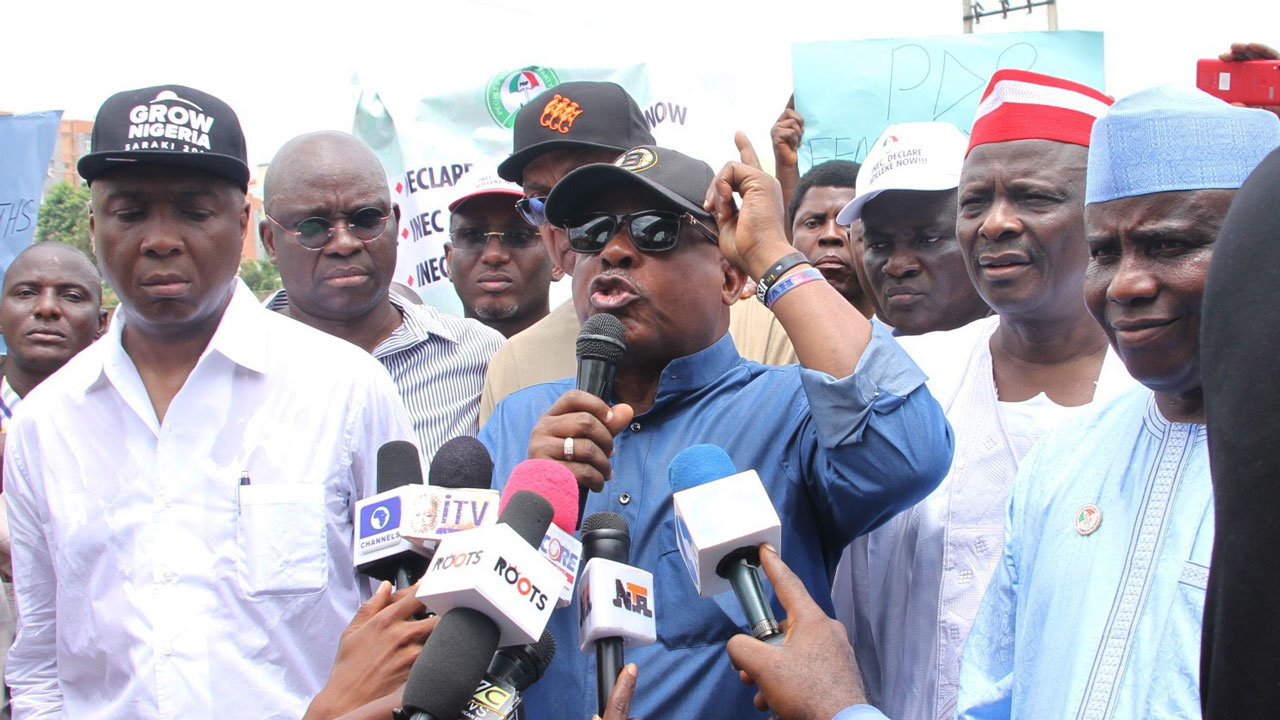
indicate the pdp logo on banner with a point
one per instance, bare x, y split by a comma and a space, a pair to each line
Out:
508, 91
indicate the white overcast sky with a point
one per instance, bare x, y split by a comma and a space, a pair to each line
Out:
287, 67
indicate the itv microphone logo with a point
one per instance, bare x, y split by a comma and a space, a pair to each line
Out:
379, 517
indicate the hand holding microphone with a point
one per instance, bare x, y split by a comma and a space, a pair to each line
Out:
578, 429
721, 515
374, 654
812, 675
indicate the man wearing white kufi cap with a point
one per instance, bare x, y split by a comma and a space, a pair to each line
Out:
1095, 610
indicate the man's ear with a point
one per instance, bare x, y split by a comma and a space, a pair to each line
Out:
448, 260
246, 214
734, 280
102, 324
268, 239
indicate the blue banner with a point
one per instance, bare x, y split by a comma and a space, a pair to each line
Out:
849, 91
26, 145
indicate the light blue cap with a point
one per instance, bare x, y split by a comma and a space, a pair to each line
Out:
1175, 138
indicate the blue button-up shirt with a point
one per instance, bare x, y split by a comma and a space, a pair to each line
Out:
837, 457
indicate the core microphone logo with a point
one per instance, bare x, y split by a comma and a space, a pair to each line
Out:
379, 517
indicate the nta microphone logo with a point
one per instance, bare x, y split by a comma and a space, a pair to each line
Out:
632, 597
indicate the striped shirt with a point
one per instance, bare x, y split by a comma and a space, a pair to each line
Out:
438, 363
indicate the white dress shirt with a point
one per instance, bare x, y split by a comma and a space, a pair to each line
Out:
199, 567
909, 590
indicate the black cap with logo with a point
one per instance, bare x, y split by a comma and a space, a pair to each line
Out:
167, 125
678, 178
581, 114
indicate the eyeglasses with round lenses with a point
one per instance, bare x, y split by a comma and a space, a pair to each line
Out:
533, 210
316, 232
472, 239
652, 231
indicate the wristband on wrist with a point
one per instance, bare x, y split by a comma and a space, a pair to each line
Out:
790, 282
775, 271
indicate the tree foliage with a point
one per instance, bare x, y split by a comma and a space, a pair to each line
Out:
64, 217
261, 276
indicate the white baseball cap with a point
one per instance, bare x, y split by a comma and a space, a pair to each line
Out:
483, 180
908, 156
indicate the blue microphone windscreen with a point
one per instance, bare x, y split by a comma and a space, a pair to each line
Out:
698, 464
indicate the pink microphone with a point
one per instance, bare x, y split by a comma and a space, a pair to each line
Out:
551, 480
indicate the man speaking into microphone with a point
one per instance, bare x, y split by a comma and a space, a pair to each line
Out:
841, 442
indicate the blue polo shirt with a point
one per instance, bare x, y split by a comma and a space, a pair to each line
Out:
837, 457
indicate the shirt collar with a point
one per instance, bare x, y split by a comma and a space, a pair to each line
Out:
238, 336
421, 320
1158, 425
420, 323
697, 371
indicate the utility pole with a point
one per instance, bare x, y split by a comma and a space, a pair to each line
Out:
973, 11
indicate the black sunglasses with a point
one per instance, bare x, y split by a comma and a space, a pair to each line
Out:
652, 231
476, 239
316, 232
533, 210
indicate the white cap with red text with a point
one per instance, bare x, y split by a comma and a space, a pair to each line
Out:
923, 156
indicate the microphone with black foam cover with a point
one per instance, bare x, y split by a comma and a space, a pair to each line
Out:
451, 665
458, 497
616, 605
511, 672
381, 552
497, 570
721, 518
601, 344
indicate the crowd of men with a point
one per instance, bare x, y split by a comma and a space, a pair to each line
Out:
967, 370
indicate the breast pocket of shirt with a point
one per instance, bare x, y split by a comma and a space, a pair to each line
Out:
687, 620
280, 537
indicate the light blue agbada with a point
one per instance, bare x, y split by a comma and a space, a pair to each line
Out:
1095, 610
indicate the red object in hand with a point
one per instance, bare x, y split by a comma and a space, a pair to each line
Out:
1248, 82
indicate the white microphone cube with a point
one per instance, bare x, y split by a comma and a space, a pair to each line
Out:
615, 601
718, 517
380, 520
494, 571
565, 551
443, 511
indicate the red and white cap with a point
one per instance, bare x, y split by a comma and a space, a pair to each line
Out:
1021, 105
483, 180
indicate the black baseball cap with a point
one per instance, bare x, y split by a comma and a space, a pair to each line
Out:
678, 178
167, 125
583, 114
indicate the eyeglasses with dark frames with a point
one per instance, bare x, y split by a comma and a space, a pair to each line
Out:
652, 231
314, 233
